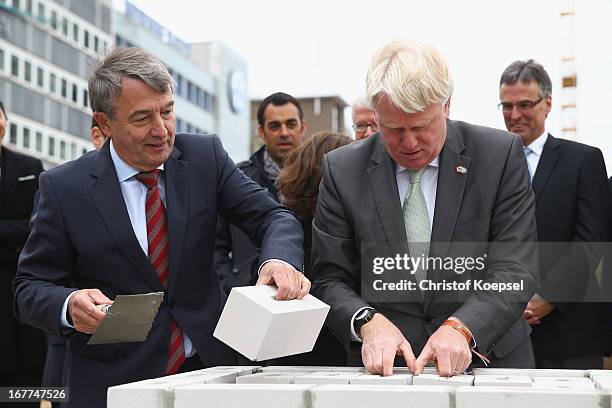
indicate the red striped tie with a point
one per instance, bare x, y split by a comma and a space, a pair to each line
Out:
157, 236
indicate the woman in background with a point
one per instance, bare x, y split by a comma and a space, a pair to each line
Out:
299, 186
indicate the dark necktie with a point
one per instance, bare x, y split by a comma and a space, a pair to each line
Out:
157, 237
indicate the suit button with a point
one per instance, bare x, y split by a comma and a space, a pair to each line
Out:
427, 319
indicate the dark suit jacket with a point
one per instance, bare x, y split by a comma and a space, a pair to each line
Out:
236, 258
82, 238
16, 198
359, 204
573, 205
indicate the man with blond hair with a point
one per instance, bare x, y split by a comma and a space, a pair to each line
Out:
437, 188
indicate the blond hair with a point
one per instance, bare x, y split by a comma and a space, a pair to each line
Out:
411, 74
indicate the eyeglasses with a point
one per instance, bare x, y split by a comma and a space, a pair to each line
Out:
522, 106
363, 127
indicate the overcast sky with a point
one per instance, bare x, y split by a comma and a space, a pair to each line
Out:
323, 47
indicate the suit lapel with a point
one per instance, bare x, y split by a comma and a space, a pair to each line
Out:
547, 163
449, 194
381, 175
107, 196
177, 199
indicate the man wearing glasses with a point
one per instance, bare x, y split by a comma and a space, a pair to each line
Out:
569, 180
364, 120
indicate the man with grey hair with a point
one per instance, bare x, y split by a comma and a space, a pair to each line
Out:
364, 120
136, 217
573, 204
429, 184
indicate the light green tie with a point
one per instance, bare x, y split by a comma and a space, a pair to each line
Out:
416, 221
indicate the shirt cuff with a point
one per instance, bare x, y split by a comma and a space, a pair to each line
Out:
273, 260
63, 318
354, 336
453, 318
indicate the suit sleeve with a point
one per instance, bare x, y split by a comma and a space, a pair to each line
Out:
512, 256
45, 266
574, 269
271, 227
335, 263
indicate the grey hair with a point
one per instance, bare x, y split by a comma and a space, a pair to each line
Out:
411, 74
361, 102
105, 82
527, 72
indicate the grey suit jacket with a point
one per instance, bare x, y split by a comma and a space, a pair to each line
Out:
492, 202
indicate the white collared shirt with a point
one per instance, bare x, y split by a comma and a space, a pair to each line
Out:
533, 152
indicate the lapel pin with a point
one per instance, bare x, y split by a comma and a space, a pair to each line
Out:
461, 169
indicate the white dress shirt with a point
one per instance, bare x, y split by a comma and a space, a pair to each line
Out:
533, 152
134, 194
429, 186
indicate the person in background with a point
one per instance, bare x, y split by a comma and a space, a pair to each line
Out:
299, 185
573, 203
282, 128
23, 346
364, 119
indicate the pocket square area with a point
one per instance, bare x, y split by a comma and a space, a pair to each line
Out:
26, 178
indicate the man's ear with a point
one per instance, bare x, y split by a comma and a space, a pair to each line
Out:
447, 108
103, 123
262, 134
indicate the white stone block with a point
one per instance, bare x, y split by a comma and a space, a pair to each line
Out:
561, 383
600, 373
487, 397
603, 382
268, 378
325, 377
243, 395
375, 379
155, 393
388, 396
239, 370
435, 379
531, 372
502, 380
208, 376
310, 369
261, 328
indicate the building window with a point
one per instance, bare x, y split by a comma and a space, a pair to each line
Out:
86, 38
96, 43
14, 66
179, 84
75, 93
75, 32
179, 125
64, 89
83, 151
51, 149
1, 59
54, 20
65, 26
26, 137
28, 71
38, 142
13, 134
62, 150
17, 4
85, 98
52, 85
73, 151
40, 77
41, 12
29, 6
